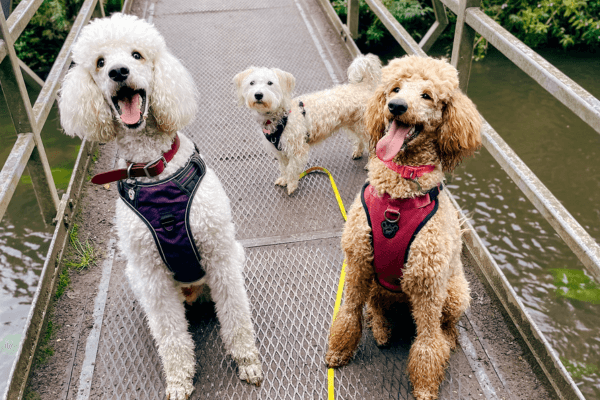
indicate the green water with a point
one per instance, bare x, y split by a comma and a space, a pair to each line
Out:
563, 152
24, 239
560, 149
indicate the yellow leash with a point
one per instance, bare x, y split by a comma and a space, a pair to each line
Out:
338, 296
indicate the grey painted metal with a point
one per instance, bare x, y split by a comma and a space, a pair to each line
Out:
477, 366
46, 98
441, 22
17, 21
47, 281
578, 240
19, 107
462, 48
536, 341
13, 168
340, 27
353, 18
31, 78
395, 28
20, 17
576, 98
91, 346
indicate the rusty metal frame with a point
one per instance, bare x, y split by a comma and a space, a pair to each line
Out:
470, 21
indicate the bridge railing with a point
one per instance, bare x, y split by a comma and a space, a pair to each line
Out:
28, 152
471, 20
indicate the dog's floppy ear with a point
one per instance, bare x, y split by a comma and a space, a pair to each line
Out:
237, 80
375, 121
460, 132
173, 99
286, 81
83, 109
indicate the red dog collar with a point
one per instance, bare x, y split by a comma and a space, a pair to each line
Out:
408, 171
153, 168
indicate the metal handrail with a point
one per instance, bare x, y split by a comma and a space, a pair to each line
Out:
28, 151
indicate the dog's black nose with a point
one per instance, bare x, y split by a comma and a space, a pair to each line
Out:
398, 106
258, 95
119, 73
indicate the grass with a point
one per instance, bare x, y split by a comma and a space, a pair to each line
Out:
82, 255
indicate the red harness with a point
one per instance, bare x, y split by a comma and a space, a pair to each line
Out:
394, 225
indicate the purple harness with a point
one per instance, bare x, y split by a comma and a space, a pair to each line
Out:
394, 225
164, 206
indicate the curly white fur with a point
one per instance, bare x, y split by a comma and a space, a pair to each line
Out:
88, 110
267, 92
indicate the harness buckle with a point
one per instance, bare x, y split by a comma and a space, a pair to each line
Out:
151, 163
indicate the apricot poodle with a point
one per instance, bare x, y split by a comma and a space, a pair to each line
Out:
402, 239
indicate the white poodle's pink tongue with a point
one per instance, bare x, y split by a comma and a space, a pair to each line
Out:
131, 109
392, 142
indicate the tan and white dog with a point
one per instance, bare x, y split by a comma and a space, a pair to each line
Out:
292, 126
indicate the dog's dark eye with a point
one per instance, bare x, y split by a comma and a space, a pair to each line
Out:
251, 83
269, 83
426, 96
136, 55
100, 63
396, 90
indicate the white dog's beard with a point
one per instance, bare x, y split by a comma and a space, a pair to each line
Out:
262, 105
130, 105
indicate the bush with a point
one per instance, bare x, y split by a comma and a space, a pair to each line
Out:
543, 23
41, 41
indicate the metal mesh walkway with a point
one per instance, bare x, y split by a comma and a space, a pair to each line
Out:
291, 278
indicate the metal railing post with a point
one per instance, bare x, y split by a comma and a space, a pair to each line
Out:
464, 39
21, 112
441, 22
352, 19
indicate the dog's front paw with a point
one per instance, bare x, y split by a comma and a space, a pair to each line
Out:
179, 389
357, 154
280, 181
335, 359
291, 187
251, 371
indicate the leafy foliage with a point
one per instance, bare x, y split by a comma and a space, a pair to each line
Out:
538, 23
41, 41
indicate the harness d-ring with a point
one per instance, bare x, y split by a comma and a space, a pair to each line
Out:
391, 211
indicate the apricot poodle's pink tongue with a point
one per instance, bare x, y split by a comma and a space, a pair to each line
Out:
131, 109
392, 142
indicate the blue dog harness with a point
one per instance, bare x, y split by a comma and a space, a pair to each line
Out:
164, 206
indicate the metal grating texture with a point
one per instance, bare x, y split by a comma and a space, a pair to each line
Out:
292, 291
215, 46
127, 364
291, 286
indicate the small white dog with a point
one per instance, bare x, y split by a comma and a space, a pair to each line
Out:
127, 87
291, 126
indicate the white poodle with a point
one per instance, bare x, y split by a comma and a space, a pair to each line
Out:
291, 126
126, 86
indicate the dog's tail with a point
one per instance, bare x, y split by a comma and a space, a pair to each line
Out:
365, 69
